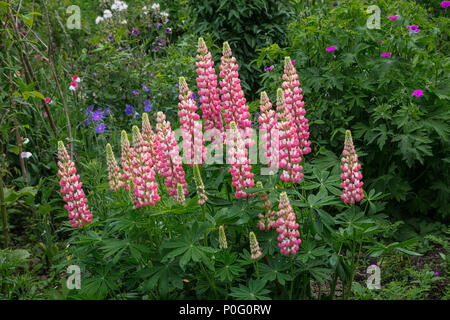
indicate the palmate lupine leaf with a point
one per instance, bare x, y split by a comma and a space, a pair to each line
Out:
254, 291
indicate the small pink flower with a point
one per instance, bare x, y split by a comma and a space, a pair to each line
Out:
436, 274
293, 62
48, 100
393, 17
351, 175
73, 86
269, 68
45, 115
75, 78
417, 93
332, 48
386, 54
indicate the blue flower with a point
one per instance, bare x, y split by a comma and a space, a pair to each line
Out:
97, 115
129, 109
135, 92
145, 88
107, 112
136, 114
100, 128
147, 106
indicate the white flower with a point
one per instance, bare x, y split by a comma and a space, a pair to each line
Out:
72, 88
164, 17
26, 141
98, 20
145, 10
124, 22
107, 14
25, 155
155, 7
119, 5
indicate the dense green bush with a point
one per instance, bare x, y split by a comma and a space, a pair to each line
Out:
404, 139
247, 26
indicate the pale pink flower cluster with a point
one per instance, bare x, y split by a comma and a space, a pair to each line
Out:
289, 150
126, 158
114, 175
191, 128
208, 91
240, 168
79, 213
268, 125
255, 251
143, 173
288, 235
351, 176
294, 103
233, 100
268, 219
170, 165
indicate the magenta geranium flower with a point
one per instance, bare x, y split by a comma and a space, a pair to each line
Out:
332, 48
392, 17
445, 4
269, 68
417, 93
386, 54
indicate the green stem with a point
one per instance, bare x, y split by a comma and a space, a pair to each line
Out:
293, 278
4, 215
211, 282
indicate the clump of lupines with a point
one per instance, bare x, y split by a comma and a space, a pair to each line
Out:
294, 103
268, 219
145, 189
288, 235
207, 89
351, 176
233, 100
289, 150
222, 238
200, 186
170, 166
268, 125
114, 175
71, 188
191, 128
151, 138
126, 157
254, 247
240, 168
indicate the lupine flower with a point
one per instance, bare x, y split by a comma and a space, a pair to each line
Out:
129, 109
99, 19
143, 173
114, 175
164, 17
445, 4
76, 79
119, 5
79, 213
289, 149
293, 100
392, 17
386, 54
207, 89
152, 140
222, 238
168, 30
351, 176
180, 194
126, 157
240, 168
191, 128
268, 125
25, 155
100, 128
73, 86
170, 165
158, 25
287, 227
332, 48
268, 220
269, 68
155, 8
417, 93
254, 247
233, 100
413, 28
107, 14
201, 194
48, 100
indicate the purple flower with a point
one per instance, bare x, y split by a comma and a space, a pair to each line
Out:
194, 96
97, 115
332, 48
136, 114
135, 92
129, 109
413, 28
386, 54
100, 128
157, 25
417, 93
436, 274
293, 62
392, 17
445, 4
107, 112
168, 30
269, 68
145, 88
135, 32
